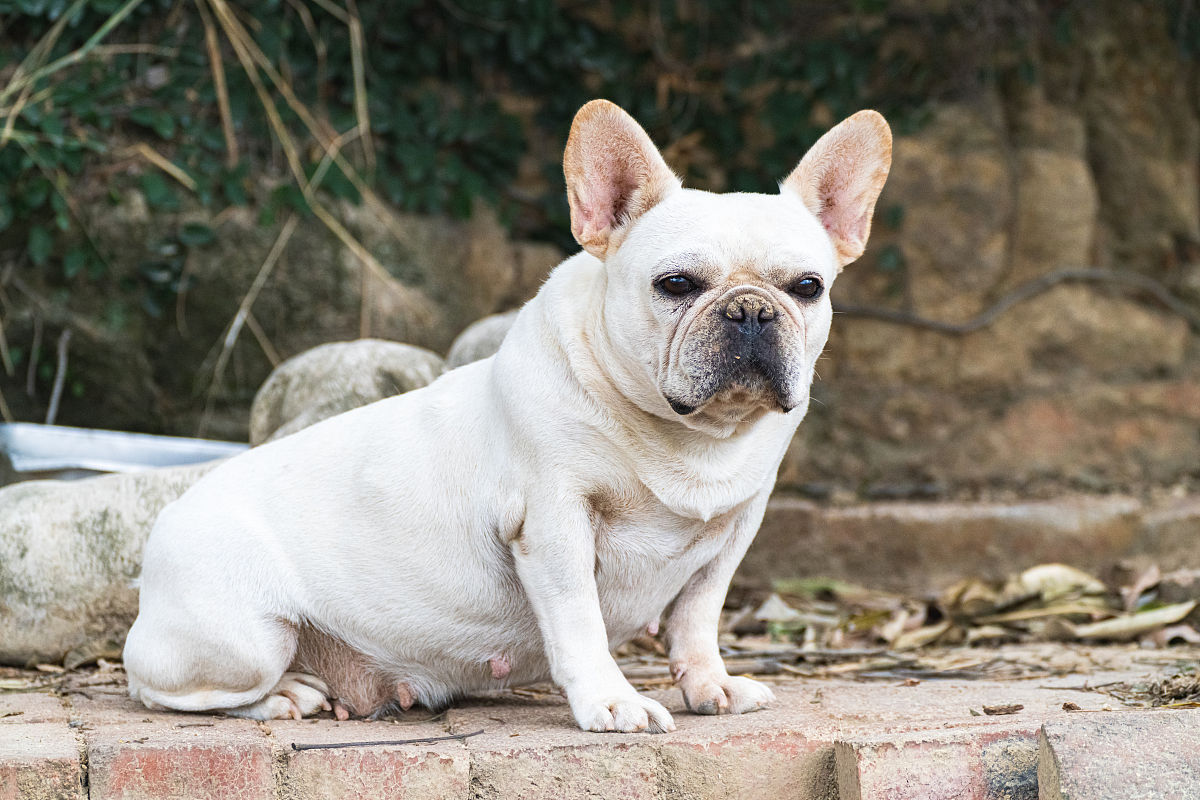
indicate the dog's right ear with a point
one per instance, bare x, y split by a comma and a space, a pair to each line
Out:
614, 175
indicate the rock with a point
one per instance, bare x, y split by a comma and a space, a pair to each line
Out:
481, 339
333, 378
146, 333
1143, 133
955, 183
1057, 200
69, 553
467, 269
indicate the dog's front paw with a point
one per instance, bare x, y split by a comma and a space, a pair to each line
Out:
724, 694
624, 711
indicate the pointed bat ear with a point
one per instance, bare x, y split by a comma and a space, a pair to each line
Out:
840, 178
614, 175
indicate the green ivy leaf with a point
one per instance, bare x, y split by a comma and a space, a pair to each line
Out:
39, 245
159, 193
195, 234
74, 262
156, 119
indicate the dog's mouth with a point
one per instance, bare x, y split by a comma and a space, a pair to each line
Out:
682, 409
747, 391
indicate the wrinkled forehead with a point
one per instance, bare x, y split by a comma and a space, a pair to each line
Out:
772, 236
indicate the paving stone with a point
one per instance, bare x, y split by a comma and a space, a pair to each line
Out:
533, 750
823, 740
746, 757
1128, 755
156, 760
40, 761
989, 762
923, 547
430, 771
30, 707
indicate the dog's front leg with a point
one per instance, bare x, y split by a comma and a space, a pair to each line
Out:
692, 629
556, 561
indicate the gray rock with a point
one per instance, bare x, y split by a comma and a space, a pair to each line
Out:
69, 553
333, 378
481, 339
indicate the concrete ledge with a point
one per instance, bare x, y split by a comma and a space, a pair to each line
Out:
823, 740
924, 547
40, 761
1135, 755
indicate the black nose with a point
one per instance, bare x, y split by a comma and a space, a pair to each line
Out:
749, 313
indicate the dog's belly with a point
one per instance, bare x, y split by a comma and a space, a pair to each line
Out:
476, 631
447, 644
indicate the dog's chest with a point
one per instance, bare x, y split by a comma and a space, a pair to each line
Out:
645, 553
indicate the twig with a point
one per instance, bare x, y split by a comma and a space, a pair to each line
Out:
165, 164
60, 376
75, 56
1024, 292
336, 745
35, 350
265, 343
5, 411
5, 356
218, 72
360, 84
253, 59
60, 316
239, 319
37, 55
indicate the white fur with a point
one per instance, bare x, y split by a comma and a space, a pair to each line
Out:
435, 530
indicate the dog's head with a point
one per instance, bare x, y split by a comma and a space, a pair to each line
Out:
721, 299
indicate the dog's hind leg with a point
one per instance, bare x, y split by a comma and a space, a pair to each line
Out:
233, 666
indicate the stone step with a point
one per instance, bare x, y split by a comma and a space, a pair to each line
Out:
923, 547
1136, 755
823, 740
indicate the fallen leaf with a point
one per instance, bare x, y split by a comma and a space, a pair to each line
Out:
774, 609
1148, 578
1054, 581
1133, 625
921, 636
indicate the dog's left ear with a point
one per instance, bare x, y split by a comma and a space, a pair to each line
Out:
614, 175
840, 178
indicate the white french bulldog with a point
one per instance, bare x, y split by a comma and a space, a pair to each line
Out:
524, 514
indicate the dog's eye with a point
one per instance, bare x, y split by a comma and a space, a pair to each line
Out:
807, 288
677, 285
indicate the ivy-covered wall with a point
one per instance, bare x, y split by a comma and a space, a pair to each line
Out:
154, 154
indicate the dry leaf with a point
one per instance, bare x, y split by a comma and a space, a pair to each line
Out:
1133, 625
921, 637
774, 609
1147, 579
1054, 581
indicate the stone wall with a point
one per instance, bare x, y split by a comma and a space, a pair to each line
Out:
1085, 385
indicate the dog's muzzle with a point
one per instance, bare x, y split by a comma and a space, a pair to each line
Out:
744, 349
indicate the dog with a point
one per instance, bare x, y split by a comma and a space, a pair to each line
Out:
522, 515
